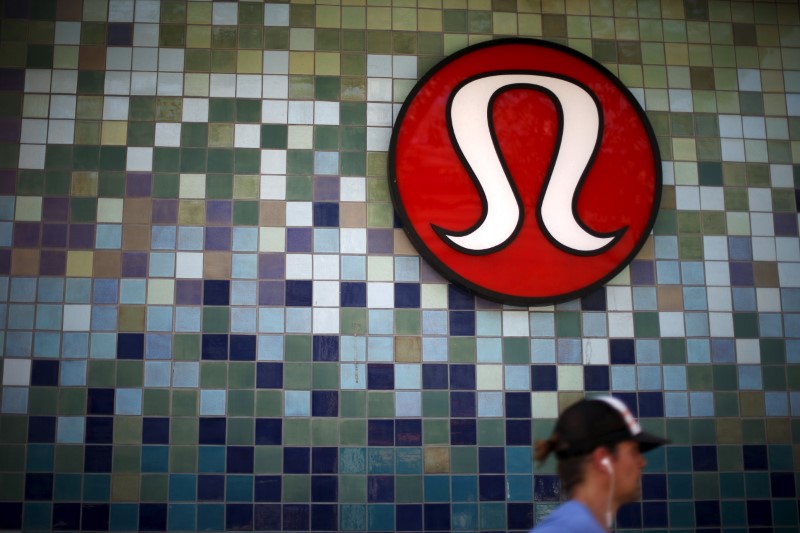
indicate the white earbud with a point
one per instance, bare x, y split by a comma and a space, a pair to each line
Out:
606, 462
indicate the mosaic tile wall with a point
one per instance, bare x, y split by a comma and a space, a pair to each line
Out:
212, 322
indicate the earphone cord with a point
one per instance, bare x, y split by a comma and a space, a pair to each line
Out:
609, 516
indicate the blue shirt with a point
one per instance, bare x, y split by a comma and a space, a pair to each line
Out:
572, 516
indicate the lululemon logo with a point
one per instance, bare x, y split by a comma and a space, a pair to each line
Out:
524, 171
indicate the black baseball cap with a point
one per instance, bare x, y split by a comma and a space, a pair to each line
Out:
601, 421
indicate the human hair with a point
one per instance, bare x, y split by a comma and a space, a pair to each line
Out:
571, 469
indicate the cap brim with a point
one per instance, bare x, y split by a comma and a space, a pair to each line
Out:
648, 441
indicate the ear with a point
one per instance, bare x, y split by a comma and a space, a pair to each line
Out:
601, 460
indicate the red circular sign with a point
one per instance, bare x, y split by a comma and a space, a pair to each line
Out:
524, 171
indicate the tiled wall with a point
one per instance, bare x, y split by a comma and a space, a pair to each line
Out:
211, 321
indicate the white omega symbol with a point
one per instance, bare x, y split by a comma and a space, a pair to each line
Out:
469, 117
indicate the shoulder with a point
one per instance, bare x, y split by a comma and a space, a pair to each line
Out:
571, 516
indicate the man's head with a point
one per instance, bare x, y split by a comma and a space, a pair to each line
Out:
603, 432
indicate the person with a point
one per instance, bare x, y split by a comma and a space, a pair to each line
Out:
599, 446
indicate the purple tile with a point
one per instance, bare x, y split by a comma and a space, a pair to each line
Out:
480, 303
26, 234
642, 273
427, 274
120, 34
54, 236
741, 274
52, 263
5, 261
55, 209
218, 239
326, 188
271, 293
380, 241
8, 181
134, 264
298, 239
81, 236
723, 350
12, 79
271, 266
9, 129
188, 291
137, 184
219, 211
165, 211
785, 224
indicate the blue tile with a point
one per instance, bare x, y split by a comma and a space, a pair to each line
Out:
216, 292
296, 460
298, 293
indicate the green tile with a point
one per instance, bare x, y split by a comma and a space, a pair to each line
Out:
673, 351
14, 429
408, 488
276, 39
297, 376
726, 404
296, 432
269, 403
220, 161
464, 460
354, 138
324, 432
353, 404
325, 376
58, 156
353, 432
380, 404
30, 182
184, 403
165, 185
71, 402
241, 375
461, 350
102, 373
706, 486
183, 459
69, 458
215, 319
126, 459
353, 163
435, 431
274, 136
183, 431
113, 157
301, 87
241, 431
699, 377
299, 188
213, 375
130, 374
379, 42
172, 35
352, 489
298, 347
568, 324
491, 432
42, 401
247, 161
435, 403
299, 162
248, 110
245, 213
327, 88
745, 325
219, 186
197, 60
407, 321
774, 377
166, 159
154, 487
516, 351
57, 183
251, 37
753, 431
268, 460
724, 377
326, 138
